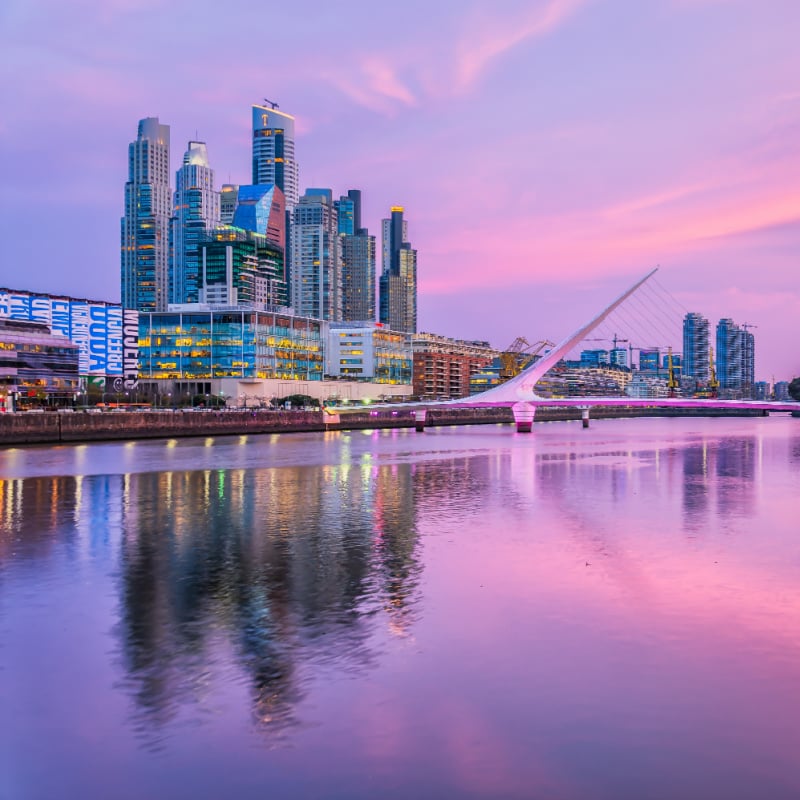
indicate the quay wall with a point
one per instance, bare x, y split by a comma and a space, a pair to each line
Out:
60, 427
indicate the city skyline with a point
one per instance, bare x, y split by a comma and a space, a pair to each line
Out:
597, 170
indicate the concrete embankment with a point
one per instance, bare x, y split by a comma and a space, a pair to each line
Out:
55, 428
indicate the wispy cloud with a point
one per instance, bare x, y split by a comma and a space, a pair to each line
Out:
488, 38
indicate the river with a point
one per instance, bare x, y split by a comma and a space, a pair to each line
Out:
461, 613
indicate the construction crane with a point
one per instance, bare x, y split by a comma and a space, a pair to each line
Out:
713, 382
271, 103
519, 354
672, 382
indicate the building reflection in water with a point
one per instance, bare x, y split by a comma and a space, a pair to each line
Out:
279, 565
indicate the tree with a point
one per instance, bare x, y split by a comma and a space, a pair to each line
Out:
794, 389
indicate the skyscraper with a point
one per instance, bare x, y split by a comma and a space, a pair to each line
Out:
197, 212
398, 284
273, 152
261, 209
695, 348
729, 354
316, 277
229, 197
358, 260
146, 224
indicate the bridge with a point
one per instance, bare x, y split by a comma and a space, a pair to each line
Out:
518, 392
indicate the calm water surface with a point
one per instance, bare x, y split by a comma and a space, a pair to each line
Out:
468, 612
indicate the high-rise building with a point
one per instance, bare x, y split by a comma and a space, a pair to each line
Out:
748, 362
196, 210
261, 209
229, 197
648, 360
146, 224
695, 348
240, 267
358, 260
398, 283
316, 277
729, 354
273, 152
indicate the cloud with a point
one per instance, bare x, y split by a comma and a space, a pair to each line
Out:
488, 38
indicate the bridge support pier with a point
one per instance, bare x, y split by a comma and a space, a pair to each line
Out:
523, 416
585, 417
420, 416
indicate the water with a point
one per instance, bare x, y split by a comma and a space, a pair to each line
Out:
468, 612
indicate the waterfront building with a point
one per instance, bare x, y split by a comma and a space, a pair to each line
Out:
445, 368
242, 267
695, 350
570, 379
316, 277
398, 282
228, 200
368, 351
781, 391
735, 357
649, 359
145, 228
647, 384
618, 357
95, 326
760, 390
748, 362
274, 152
196, 212
358, 260
594, 358
37, 368
348, 212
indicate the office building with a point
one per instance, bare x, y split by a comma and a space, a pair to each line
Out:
398, 282
695, 350
649, 360
594, 358
241, 267
261, 209
228, 200
368, 351
273, 152
446, 368
618, 357
781, 391
316, 277
196, 212
145, 228
37, 368
358, 260
729, 354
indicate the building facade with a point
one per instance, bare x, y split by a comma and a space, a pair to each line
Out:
316, 266
368, 351
196, 211
398, 282
696, 361
37, 368
447, 368
274, 153
241, 267
145, 228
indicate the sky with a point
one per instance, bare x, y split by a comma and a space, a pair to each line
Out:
547, 152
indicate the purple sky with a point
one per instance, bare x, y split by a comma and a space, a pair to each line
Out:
548, 152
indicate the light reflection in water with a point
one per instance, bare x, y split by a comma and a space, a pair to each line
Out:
497, 612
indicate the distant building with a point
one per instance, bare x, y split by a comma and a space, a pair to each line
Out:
761, 390
735, 357
37, 368
228, 200
594, 358
781, 391
444, 368
145, 228
646, 384
398, 281
196, 212
649, 360
274, 153
316, 269
358, 259
262, 209
695, 349
618, 357
368, 351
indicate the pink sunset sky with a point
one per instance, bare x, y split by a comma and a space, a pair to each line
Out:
547, 152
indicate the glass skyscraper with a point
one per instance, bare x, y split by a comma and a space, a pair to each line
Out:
735, 357
273, 152
358, 260
695, 348
316, 266
197, 211
146, 225
398, 283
